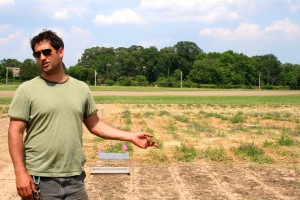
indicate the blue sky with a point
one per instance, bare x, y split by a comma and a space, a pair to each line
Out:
251, 27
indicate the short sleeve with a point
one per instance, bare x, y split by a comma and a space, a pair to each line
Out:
20, 105
90, 107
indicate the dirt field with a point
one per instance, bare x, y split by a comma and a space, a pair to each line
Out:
152, 177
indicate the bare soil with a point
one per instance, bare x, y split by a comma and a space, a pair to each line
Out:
202, 178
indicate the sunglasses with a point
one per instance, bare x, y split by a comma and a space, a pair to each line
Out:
45, 52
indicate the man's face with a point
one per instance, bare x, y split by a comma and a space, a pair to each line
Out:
52, 61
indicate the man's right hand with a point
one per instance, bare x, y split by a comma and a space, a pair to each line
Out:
25, 186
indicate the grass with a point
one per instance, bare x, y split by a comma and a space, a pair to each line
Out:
185, 153
255, 153
236, 100
158, 156
215, 154
181, 118
238, 118
117, 148
285, 141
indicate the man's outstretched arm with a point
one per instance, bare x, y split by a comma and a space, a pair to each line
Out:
106, 131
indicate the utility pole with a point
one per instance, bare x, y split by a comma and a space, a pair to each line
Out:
6, 75
259, 81
95, 77
181, 79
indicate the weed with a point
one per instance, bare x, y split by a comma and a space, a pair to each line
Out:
262, 159
271, 144
128, 121
287, 153
253, 152
163, 113
142, 122
148, 114
285, 141
98, 139
158, 156
4, 109
215, 154
117, 148
287, 115
249, 150
181, 118
149, 130
160, 145
238, 118
171, 127
216, 115
126, 114
185, 153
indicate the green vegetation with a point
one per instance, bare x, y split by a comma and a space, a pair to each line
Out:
117, 148
158, 156
224, 100
215, 154
238, 118
256, 154
284, 140
181, 118
126, 114
185, 153
221, 100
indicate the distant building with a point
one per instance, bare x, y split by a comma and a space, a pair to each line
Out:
16, 72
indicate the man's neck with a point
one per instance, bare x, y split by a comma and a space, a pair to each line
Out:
57, 78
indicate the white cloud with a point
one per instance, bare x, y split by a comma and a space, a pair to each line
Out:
285, 28
124, 16
10, 38
62, 14
7, 2
192, 10
294, 5
279, 29
69, 12
4, 27
154, 42
244, 31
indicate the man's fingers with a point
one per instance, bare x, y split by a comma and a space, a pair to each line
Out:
26, 193
148, 135
32, 186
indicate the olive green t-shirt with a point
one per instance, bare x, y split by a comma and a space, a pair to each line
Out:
54, 113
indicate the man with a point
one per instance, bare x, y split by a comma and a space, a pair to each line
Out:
51, 109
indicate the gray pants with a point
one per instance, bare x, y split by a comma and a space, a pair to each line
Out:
65, 188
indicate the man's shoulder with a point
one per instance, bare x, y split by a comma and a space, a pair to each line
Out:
28, 83
78, 82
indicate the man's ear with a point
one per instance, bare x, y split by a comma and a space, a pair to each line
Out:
61, 52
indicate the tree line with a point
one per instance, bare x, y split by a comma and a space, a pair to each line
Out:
184, 63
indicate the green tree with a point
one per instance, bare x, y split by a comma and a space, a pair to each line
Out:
29, 69
289, 75
269, 68
141, 80
168, 60
187, 52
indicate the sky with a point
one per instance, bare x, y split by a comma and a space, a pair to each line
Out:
250, 27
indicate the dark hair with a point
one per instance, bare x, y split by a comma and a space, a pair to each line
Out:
48, 35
